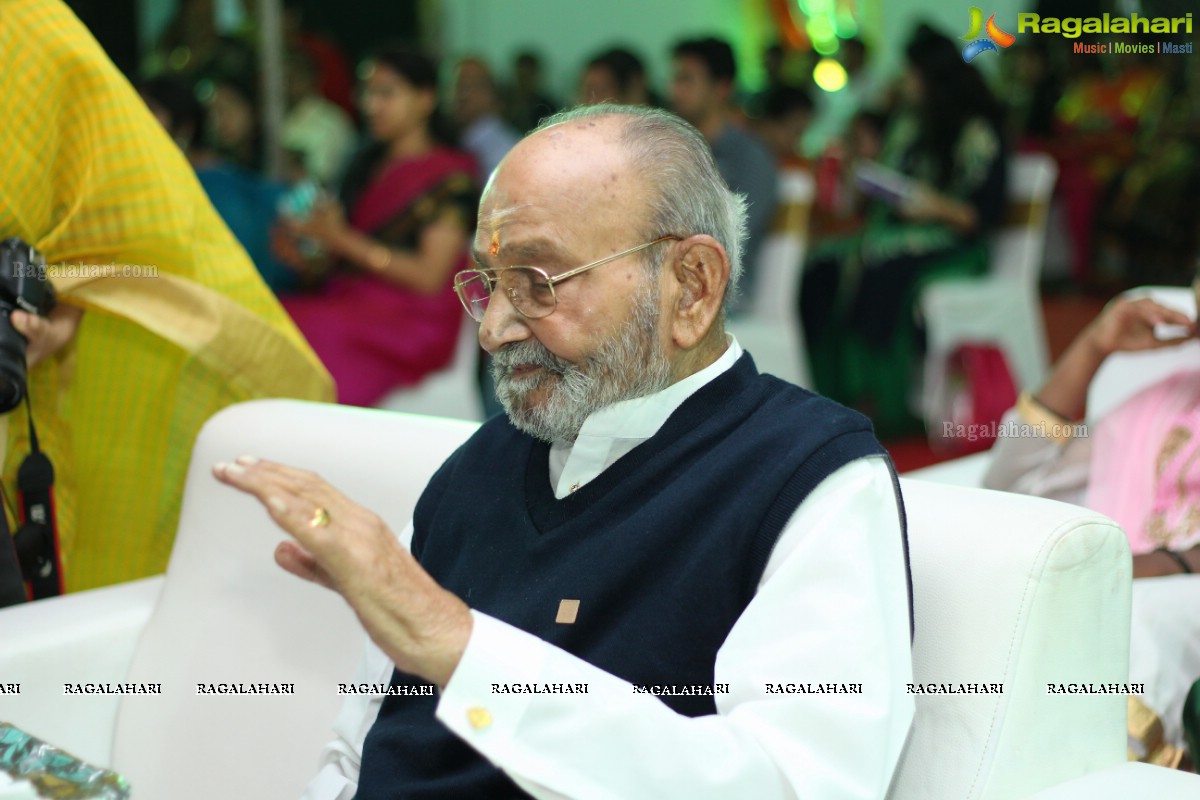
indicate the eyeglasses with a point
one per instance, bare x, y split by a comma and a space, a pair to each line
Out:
529, 289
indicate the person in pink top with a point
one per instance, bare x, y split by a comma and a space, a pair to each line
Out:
1140, 464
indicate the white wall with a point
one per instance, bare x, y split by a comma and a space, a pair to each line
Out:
567, 32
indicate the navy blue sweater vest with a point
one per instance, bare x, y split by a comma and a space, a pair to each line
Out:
663, 550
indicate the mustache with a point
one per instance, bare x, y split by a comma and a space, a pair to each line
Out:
528, 352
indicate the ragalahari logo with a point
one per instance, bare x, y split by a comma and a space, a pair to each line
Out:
978, 44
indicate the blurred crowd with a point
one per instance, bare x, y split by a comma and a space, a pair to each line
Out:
384, 163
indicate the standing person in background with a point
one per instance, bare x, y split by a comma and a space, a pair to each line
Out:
476, 102
528, 101
617, 76
162, 320
701, 92
637, 90
387, 316
605, 80
485, 135
859, 290
786, 114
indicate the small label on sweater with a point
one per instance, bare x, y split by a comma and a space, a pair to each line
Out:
568, 611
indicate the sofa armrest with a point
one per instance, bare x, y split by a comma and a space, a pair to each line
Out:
965, 471
1122, 781
88, 637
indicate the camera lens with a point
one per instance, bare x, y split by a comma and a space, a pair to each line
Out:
12, 362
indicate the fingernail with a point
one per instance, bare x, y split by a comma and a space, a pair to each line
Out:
234, 469
220, 467
247, 460
277, 505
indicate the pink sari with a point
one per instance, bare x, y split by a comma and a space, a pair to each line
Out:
374, 336
1145, 471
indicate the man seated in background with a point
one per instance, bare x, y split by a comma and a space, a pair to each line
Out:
651, 513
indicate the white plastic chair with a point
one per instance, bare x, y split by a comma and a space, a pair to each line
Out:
771, 329
1004, 306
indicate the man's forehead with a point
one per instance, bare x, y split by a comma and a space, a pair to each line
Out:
555, 182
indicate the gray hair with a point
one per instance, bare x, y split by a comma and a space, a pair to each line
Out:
688, 194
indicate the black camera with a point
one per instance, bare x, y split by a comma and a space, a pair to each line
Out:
24, 286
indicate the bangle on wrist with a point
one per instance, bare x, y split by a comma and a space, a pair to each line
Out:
1184, 566
380, 258
1031, 411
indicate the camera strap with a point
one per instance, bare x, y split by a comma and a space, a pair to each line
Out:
37, 537
12, 584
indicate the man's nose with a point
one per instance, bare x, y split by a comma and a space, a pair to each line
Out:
502, 324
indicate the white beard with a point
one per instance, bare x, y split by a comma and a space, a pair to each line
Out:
633, 364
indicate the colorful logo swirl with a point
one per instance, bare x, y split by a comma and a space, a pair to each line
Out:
978, 44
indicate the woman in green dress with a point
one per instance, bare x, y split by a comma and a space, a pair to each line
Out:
859, 291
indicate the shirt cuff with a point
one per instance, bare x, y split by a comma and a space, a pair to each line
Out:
1056, 428
471, 705
330, 784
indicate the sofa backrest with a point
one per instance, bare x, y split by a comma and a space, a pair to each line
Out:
1025, 593
228, 614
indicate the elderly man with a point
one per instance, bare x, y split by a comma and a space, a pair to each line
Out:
662, 574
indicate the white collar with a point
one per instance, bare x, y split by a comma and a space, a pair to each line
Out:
614, 430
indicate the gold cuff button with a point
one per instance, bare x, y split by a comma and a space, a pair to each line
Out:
479, 718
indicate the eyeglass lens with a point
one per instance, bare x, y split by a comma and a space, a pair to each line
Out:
526, 288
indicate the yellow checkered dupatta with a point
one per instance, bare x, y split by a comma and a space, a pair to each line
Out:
89, 178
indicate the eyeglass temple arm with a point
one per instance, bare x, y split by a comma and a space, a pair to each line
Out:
572, 273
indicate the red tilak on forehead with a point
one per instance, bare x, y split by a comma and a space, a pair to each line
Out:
494, 247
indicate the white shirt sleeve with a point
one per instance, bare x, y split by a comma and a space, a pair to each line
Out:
1039, 465
831, 609
337, 778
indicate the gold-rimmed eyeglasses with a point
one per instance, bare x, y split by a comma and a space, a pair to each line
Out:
529, 289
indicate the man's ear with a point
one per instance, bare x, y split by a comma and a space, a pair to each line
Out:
699, 274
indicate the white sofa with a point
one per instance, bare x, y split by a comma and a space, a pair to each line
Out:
1010, 590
